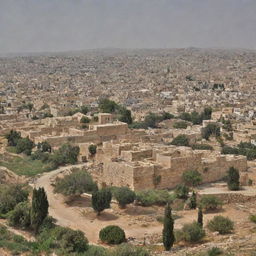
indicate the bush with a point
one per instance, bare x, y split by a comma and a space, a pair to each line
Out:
85, 120
202, 147
210, 203
252, 218
20, 215
112, 235
191, 233
214, 251
124, 196
96, 251
76, 183
13, 137
25, 146
107, 106
101, 200
210, 129
129, 250
180, 125
71, 240
10, 196
180, 140
192, 178
221, 224
44, 147
39, 155
154, 197
233, 179
66, 154
92, 149
125, 115
182, 191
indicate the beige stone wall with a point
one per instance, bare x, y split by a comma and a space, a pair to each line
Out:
118, 174
136, 155
111, 129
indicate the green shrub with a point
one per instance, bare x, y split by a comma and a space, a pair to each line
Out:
44, 147
252, 218
214, 251
92, 149
112, 235
202, 147
210, 203
20, 215
154, 197
124, 196
233, 179
66, 154
94, 250
13, 137
182, 191
210, 129
25, 146
191, 233
129, 250
101, 200
10, 196
85, 120
180, 125
180, 140
39, 155
76, 183
71, 240
221, 224
192, 178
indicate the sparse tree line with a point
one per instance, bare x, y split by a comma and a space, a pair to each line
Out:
80, 181
33, 216
66, 154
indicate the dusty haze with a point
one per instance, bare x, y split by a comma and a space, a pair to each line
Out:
63, 25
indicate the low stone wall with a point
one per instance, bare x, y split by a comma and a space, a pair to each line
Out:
237, 197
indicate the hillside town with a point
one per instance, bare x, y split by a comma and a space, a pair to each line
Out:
116, 140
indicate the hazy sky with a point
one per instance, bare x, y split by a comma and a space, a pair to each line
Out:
60, 25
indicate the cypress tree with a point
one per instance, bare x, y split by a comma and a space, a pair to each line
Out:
101, 200
233, 179
200, 216
193, 202
39, 208
168, 234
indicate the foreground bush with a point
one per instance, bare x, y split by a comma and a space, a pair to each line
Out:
76, 183
154, 197
129, 250
214, 251
210, 203
20, 216
71, 240
221, 224
124, 196
252, 218
112, 235
10, 196
190, 233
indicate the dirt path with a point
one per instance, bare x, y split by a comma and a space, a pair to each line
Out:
83, 218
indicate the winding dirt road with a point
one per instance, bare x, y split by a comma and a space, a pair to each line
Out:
82, 216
